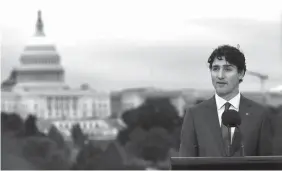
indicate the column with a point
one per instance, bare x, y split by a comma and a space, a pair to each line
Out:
74, 106
54, 106
59, 114
70, 107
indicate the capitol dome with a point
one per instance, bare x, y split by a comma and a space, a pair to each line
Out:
40, 50
40, 64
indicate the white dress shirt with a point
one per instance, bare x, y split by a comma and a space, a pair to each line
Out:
220, 102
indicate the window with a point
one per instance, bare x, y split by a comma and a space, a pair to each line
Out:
67, 106
56, 104
93, 113
74, 114
53, 115
66, 125
86, 125
35, 106
49, 103
93, 106
56, 114
74, 103
46, 116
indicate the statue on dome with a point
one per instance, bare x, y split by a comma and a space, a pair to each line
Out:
39, 25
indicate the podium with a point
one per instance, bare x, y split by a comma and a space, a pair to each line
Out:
227, 163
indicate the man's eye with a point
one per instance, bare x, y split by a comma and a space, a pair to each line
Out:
228, 69
214, 69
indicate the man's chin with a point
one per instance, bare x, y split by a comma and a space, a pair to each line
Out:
221, 92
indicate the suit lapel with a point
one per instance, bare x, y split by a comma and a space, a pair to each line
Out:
243, 110
213, 123
244, 107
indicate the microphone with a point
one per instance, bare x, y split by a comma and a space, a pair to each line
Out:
231, 118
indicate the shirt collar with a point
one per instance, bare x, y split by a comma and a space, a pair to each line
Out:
235, 101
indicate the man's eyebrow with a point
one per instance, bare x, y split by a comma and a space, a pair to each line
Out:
228, 65
225, 65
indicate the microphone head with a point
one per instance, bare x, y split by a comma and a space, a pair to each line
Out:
231, 118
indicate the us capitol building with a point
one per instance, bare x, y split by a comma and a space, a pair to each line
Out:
37, 87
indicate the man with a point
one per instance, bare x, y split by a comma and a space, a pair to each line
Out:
202, 132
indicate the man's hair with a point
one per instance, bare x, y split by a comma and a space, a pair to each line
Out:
232, 55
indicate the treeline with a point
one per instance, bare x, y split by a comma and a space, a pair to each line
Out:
25, 147
151, 137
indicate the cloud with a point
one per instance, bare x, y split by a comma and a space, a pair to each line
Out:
174, 56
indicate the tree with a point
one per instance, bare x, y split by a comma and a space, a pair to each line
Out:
158, 112
123, 136
77, 135
30, 126
11, 156
55, 135
152, 130
130, 117
112, 159
44, 153
4, 118
92, 157
155, 112
156, 145
152, 146
135, 143
88, 157
12, 122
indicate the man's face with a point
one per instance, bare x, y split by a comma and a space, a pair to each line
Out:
225, 77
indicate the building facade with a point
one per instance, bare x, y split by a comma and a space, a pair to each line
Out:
64, 104
37, 86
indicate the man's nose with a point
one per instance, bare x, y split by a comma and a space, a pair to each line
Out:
220, 74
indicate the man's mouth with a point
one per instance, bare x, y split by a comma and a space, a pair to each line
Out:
221, 83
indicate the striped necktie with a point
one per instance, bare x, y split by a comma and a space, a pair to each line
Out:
224, 129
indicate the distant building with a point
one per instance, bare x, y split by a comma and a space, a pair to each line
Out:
181, 99
277, 89
37, 86
134, 97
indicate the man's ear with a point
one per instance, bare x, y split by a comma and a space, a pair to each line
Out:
241, 74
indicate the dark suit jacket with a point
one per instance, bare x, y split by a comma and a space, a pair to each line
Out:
201, 132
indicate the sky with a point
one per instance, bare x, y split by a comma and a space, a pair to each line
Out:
113, 45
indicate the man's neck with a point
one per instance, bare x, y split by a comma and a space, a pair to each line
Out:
229, 96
